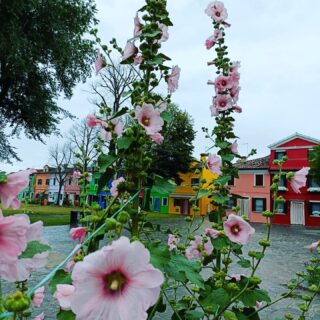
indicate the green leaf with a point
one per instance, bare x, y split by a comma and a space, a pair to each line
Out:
228, 157
244, 263
203, 193
33, 248
105, 161
105, 177
223, 179
218, 297
229, 315
66, 315
250, 297
194, 314
3, 177
152, 34
124, 142
120, 113
163, 186
166, 116
61, 277
244, 315
220, 243
219, 199
195, 278
126, 93
155, 61
160, 255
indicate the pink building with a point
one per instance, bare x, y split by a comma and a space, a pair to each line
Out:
254, 186
72, 190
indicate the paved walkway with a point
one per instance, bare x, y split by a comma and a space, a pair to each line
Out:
287, 254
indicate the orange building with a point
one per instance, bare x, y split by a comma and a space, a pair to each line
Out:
42, 182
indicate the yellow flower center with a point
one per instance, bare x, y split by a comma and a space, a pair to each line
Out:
235, 229
145, 121
115, 281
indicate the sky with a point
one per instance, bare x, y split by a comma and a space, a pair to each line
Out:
277, 43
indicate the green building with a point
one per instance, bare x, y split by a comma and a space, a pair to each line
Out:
159, 202
28, 191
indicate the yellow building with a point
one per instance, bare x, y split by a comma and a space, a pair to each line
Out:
179, 200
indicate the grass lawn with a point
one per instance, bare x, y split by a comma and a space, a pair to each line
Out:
57, 216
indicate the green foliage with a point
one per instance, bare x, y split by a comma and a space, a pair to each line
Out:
42, 55
105, 161
66, 315
163, 186
34, 247
61, 277
250, 297
3, 177
314, 160
174, 154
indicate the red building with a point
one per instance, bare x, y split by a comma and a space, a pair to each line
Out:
300, 208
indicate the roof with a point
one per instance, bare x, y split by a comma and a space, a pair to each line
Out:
259, 163
293, 136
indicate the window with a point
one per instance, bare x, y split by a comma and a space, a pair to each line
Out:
54, 181
231, 203
231, 181
164, 202
258, 180
47, 182
281, 208
283, 181
39, 182
70, 181
279, 155
194, 181
314, 209
258, 204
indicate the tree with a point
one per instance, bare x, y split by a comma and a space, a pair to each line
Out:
83, 140
175, 153
42, 55
61, 159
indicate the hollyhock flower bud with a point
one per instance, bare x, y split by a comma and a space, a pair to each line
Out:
237, 109
214, 164
100, 64
238, 230
211, 63
197, 247
129, 51
117, 282
17, 302
217, 11
173, 241
64, 295
76, 174
210, 42
259, 304
164, 33
10, 189
299, 179
234, 148
93, 121
38, 297
173, 79
114, 186
78, 234
214, 234
137, 26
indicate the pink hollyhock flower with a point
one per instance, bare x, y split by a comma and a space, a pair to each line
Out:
116, 127
234, 147
38, 297
214, 163
130, 50
259, 304
237, 109
76, 174
114, 186
93, 121
173, 241
137, 60
10, 189
222, 83
149, 118
236, 276
164, 33
214, 111
78, 234
238, 230
40, 316
197, 247
235, 65
99, 63
299, 179
13, 238
222, 102
156, 137
217, 11
210, 42
64, 295
117, 282
234, 93
173, 79
137, 26
214, 234
314, 246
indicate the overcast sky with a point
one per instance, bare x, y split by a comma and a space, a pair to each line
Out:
277, 43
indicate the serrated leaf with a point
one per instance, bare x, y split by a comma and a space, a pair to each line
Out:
160, 255
244, 263
61, 277
194, 314
229, 315
166, 116
66, 315
104, 179
163, 186
195, 278
124, 142
250, 297
218, 297
219, 199
203, 193
220, 243
34, 247
105, 160
152, 34
228, 157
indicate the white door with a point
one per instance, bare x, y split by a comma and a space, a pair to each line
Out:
244, 207
297, 212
